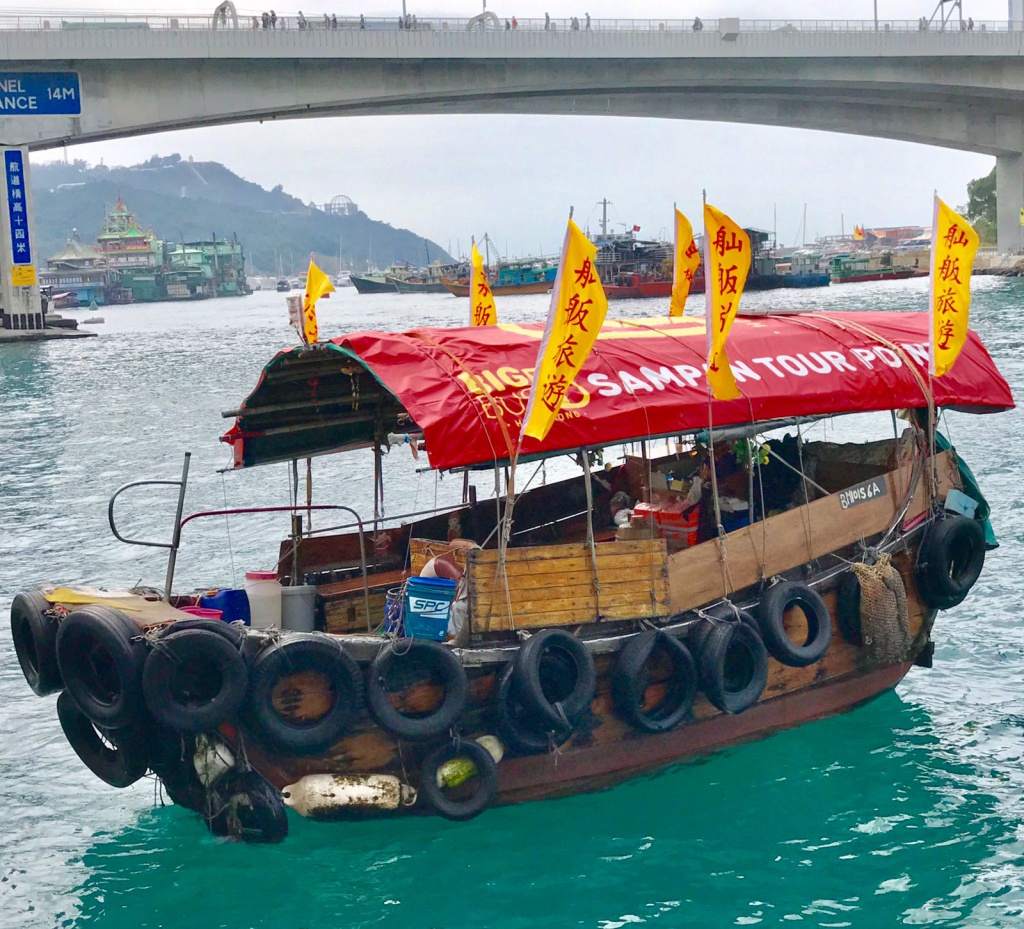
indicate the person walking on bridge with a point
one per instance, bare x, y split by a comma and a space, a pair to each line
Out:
547, 22
588, 22
273, 20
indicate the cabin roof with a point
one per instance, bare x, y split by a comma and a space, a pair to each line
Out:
466, 389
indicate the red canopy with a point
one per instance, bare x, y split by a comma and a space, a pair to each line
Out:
467, 388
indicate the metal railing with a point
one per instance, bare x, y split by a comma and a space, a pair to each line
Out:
289, 22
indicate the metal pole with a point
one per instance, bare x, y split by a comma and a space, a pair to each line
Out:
876, 15
176, 539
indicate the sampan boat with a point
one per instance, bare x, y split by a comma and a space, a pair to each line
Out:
557, 638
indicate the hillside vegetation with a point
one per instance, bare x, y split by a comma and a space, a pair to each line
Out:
185, 200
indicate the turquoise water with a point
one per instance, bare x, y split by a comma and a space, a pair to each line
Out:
907, 811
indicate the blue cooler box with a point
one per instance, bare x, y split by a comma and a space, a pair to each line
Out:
428, 604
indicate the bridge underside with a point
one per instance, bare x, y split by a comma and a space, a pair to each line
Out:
979, 109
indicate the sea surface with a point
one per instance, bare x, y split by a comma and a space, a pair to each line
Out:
907, 811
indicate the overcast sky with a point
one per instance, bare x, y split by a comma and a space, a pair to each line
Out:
450, 177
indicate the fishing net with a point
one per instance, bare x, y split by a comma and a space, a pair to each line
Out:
885, 625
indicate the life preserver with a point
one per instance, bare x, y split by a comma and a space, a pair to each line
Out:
416, 660
194, 680
733, 667
465, 805
35, 642
244, 805
554, 677
293, 654
950, 561
118, 757
776, 601
100, 653
517, 728
632, 677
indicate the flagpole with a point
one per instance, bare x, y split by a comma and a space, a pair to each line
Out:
708, 321
933, 483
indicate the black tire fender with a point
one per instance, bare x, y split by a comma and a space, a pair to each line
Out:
774, 604
631, 678
950, 561
118, 757
733, 667
476, 802
292, 654
101, 653
574, 675
194, 680
246, 806
719, 614
516, 728
410, 656
234, 634
848, 608
34, 632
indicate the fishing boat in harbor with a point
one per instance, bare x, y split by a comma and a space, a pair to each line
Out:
428, 280
862, 267
729, 579
509, 278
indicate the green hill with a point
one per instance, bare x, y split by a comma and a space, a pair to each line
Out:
185, 200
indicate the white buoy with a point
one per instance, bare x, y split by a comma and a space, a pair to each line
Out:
325, 796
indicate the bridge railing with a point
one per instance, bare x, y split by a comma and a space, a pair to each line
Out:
290, 22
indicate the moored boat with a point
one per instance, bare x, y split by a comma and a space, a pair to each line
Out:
860, 268
509, 278
559, 640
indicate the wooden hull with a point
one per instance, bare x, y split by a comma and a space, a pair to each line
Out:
536, 287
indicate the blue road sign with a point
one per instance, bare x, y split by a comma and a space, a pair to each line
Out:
40, 93
17, 211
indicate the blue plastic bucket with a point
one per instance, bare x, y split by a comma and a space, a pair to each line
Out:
233, 604
428, 604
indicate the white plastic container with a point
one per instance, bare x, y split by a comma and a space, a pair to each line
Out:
298, 608
264, 593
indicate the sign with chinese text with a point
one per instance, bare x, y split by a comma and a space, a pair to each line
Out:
23, 276
17, 209
687, 260
578, 308
726, 263
40, 93
954, 243
481, 301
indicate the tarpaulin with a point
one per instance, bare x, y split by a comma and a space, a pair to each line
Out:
467, 388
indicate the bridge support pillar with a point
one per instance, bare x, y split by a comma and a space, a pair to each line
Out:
20, 307
1010, 202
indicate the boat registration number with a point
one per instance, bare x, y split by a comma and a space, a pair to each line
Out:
862, 493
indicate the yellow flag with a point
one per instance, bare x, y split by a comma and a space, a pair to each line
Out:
578, 308
954, 243
317, 285
726, 264
481, 301
687, 260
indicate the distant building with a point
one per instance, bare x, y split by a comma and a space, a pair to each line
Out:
75, 275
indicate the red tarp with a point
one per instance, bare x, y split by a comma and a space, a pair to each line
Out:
645, 378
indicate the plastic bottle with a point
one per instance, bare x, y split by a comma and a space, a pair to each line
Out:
264, 594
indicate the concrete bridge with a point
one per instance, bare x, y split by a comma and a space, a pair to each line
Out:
954, 84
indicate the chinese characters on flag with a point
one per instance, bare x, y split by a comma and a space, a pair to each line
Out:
318, 285
726, 262
481, 300
687, 260
578, 308
954, 243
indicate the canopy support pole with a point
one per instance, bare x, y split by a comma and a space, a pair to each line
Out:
591, 544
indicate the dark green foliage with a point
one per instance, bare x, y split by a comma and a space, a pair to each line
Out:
180, 199
981, 206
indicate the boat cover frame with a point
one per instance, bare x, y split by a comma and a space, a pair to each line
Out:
465, 389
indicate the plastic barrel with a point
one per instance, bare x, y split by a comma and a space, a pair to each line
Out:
428, 604
298, 608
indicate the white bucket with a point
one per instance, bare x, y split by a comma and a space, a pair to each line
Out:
298, 608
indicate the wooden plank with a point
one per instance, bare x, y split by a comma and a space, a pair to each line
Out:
789, 539
540, 553
633, 573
